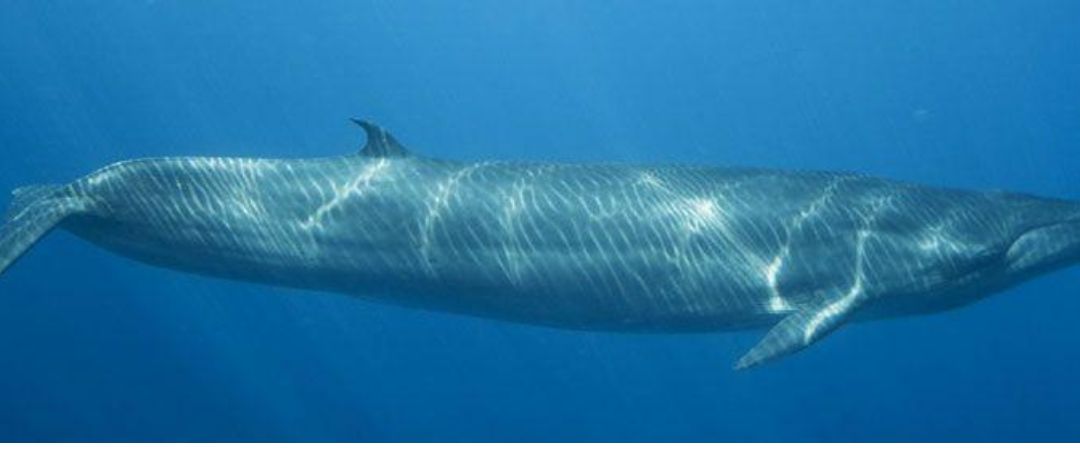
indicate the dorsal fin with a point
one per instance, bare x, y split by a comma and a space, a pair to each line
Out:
380, 144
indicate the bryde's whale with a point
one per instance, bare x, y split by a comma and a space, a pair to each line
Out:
584, 246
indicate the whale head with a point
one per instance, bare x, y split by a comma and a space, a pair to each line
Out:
996, 242
1044, 248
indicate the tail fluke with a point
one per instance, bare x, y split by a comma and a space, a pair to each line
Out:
34, 211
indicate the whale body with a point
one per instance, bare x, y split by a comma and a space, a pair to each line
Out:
584, 246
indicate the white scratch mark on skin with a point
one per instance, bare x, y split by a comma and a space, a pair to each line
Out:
702, 213
512, 208
355, 187
857, 291
777, 302
844, 303
651, 180
443, 193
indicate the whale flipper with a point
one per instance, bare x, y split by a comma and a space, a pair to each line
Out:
34, 211
799, 330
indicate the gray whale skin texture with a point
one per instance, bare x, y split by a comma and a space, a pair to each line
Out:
584, 246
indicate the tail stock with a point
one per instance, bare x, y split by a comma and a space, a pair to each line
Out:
34, 211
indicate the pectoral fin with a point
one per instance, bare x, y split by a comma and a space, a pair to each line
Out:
799, 330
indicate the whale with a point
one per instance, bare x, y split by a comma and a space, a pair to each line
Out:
601, 247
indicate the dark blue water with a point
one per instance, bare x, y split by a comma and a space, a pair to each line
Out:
978, 94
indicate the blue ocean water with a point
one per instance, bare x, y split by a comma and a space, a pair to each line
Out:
975, 94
